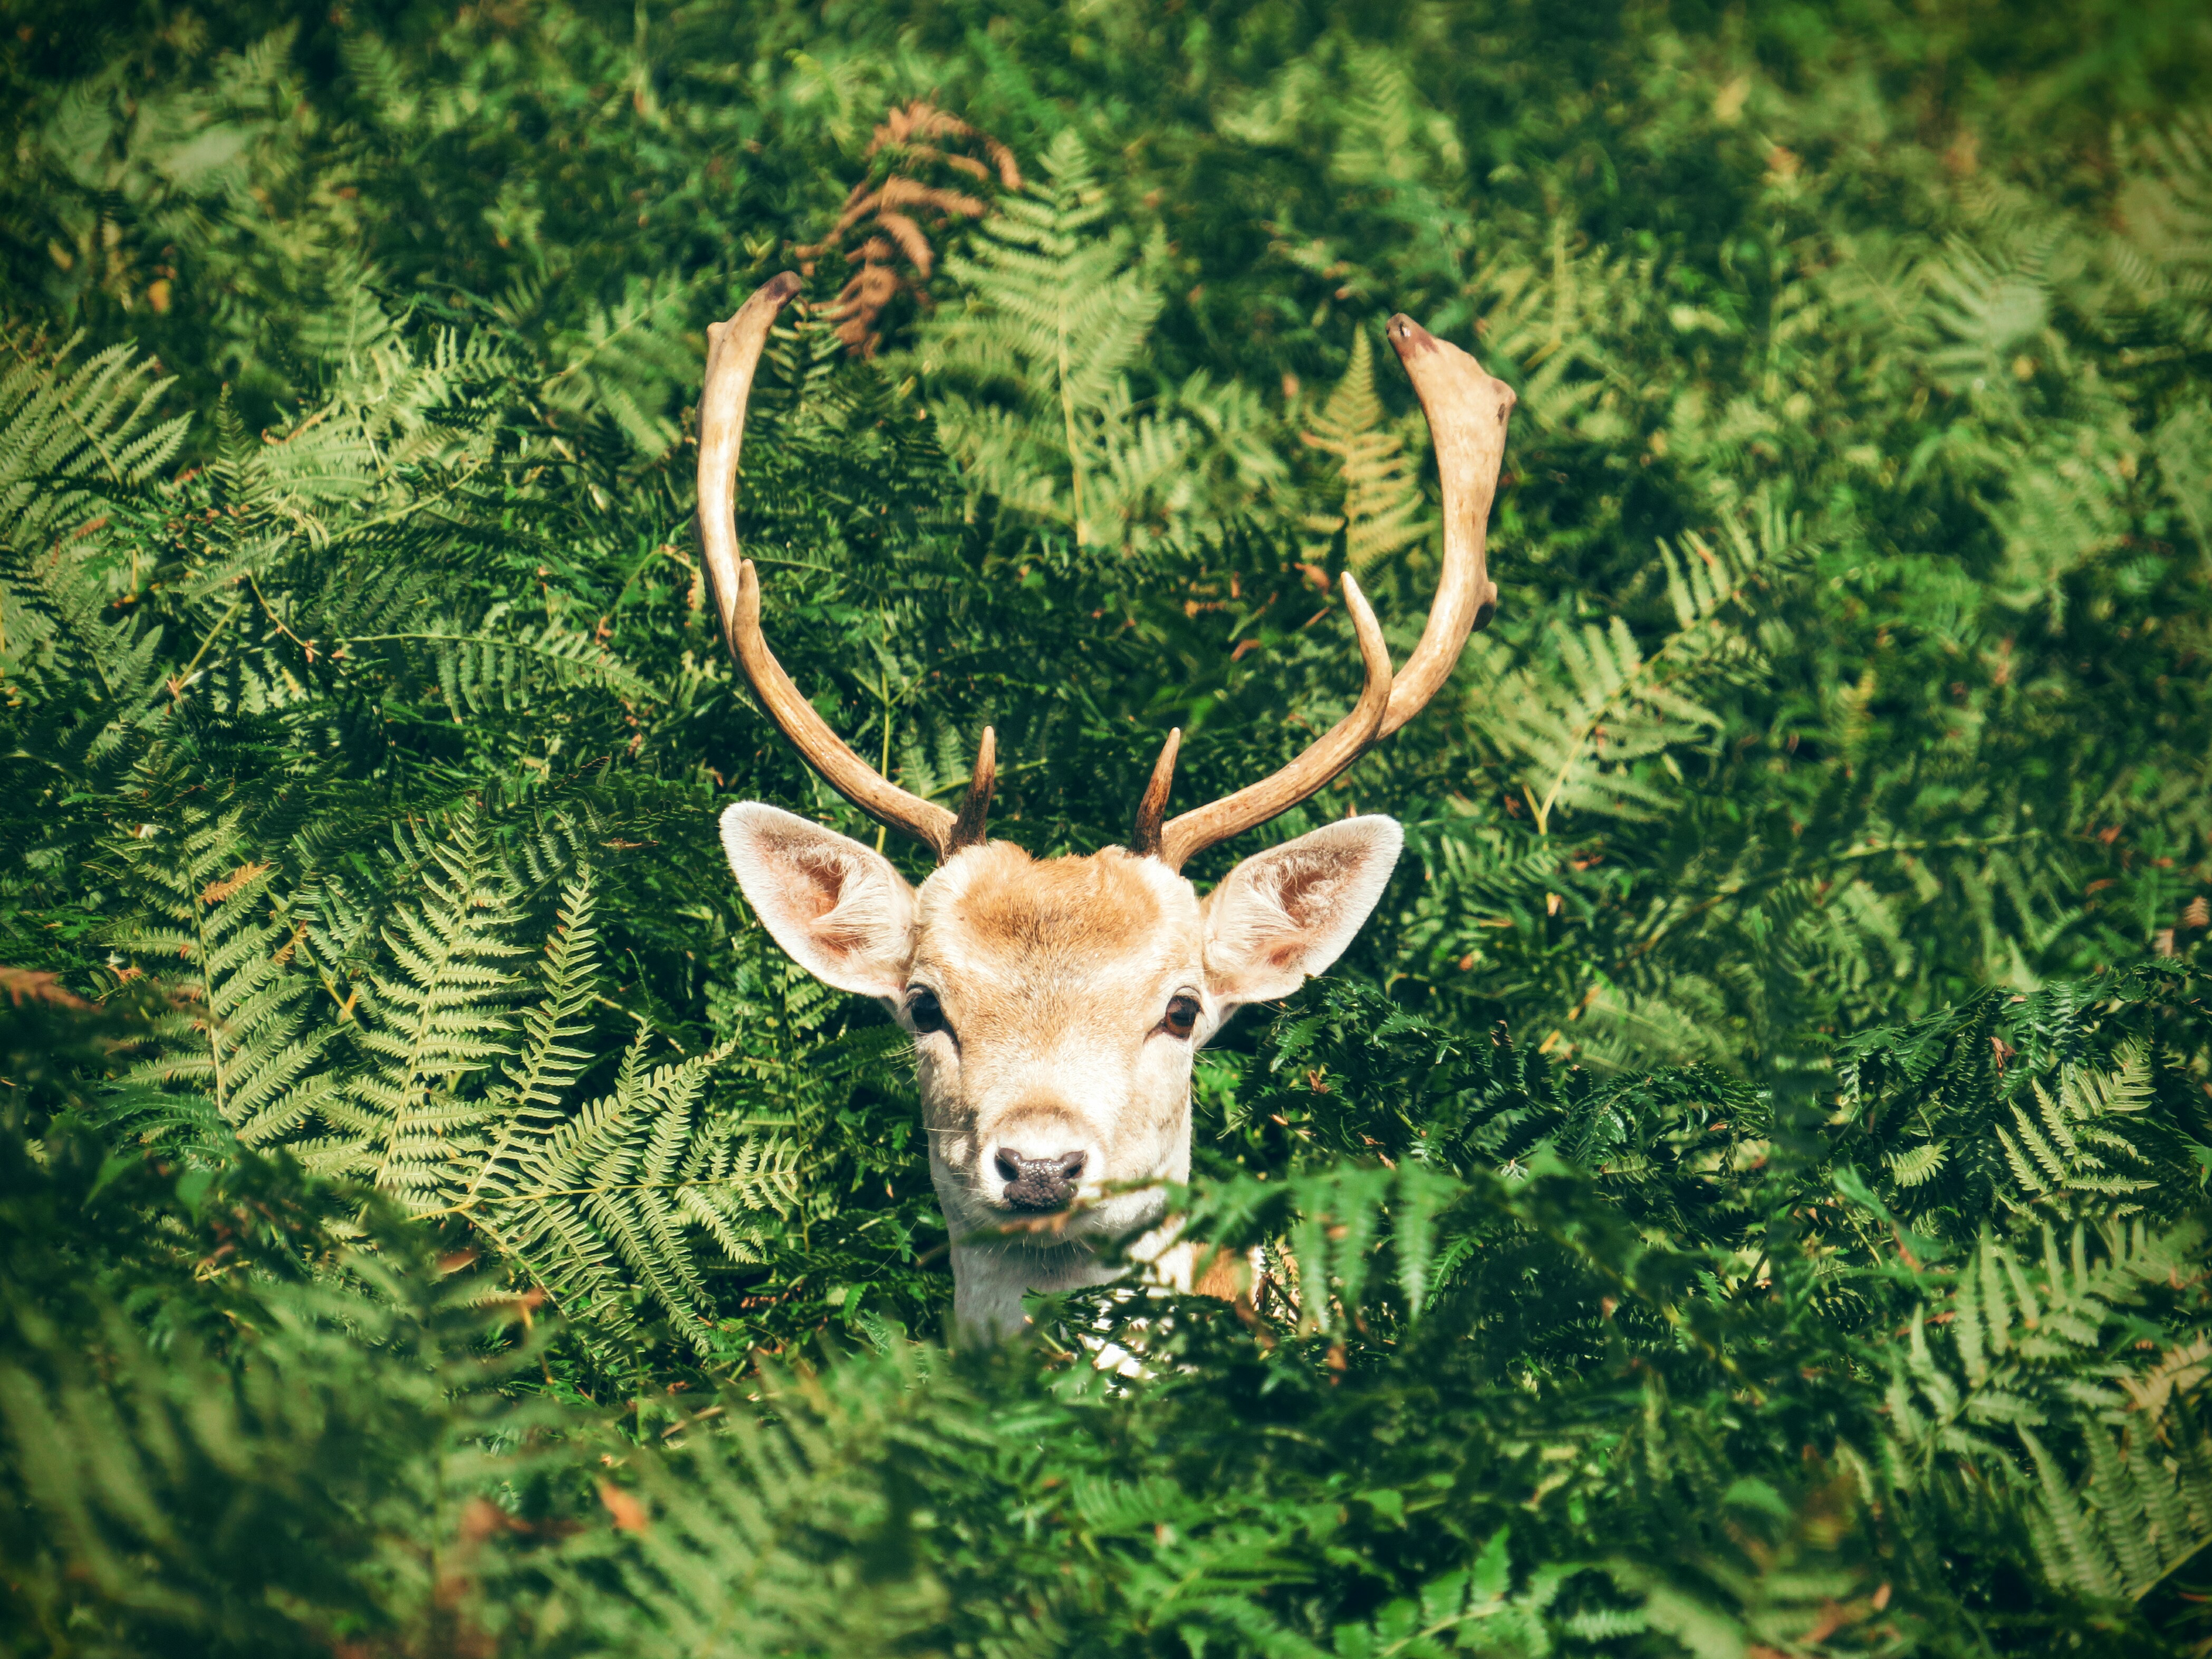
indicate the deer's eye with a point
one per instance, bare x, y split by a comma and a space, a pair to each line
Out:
927, 1012
1182, 1016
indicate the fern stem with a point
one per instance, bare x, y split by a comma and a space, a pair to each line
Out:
534, 1194
1850, 855
177, 685
1067, 428
2174, 1565
277, 622
884, 766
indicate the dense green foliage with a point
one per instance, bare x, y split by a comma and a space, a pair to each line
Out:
1744, 1195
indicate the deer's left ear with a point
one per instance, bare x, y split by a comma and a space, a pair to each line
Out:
1285, 915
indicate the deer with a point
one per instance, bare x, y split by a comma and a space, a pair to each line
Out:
1056, 1005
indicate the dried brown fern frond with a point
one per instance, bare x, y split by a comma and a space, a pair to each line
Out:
920, 121
887, 212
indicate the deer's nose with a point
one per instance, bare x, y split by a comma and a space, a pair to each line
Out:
1039, 1183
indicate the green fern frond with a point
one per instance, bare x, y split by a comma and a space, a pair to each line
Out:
2141, 1507
546, 1067
77, 444
2026, 1339
746, 1517
1383, 511
1032, 377
240, 1039
1586, 721
1910, 1167
68, 434
1580, 727
480, 671
1328, 1225
611, 1188
461, 1101
630, 362
2068, 1145
438, 1013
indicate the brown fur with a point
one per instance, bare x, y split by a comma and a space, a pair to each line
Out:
1088, 907
1223, 1273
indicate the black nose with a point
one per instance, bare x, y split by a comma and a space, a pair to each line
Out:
1039, 1183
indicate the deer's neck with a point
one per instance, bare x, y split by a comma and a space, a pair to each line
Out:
988, 1281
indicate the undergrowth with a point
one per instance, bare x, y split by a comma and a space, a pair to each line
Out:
1743, 1195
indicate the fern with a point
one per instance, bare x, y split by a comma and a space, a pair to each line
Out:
241, 1040
2142, 1507
2070, 1143
439, 1014
577, 1196
628, 363
1582, 723
2183, 444
604, 1196
73, 440
1327, 1226
730, 1538
479, 669
1384, 513
1977, 1146
366, 1393
1655, 1198
463, 1100
2024, 1336
66, 440
1033, 375
885, 214
1985, 314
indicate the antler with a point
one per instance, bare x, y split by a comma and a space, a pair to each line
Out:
733, 352
1466, 410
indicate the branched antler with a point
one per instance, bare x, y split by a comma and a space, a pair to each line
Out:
1467, 411
733, 352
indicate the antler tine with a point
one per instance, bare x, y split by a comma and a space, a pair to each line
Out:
1336, 748
1145, 840
975, 806
1467, 411
733, 352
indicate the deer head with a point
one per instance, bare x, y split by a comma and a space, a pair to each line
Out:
1056, 1006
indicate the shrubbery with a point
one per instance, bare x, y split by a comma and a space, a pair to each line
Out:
1745, 1194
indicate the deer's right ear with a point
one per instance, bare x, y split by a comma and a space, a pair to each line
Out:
839, 909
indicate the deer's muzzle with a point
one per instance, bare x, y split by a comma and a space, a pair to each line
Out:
1039, 1183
